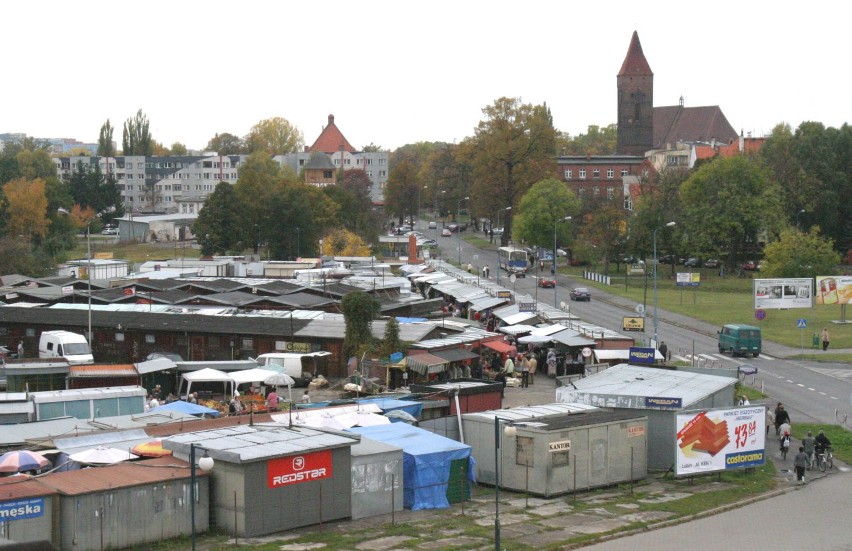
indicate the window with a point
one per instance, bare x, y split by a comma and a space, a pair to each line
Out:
247, 344
596, 190
206, 175
623, 172
368, 161
610, 174
139, 165
119, 337
569, 173
327, 174
150, 339
596, 173
581, 191
382, 161
301, 162
610, 192
383, 173
337, 162
582, 173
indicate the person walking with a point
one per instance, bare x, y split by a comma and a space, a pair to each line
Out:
509, 367
743, 401
800, 462
770, 420
781, 418
808, 445
272, 400
525, 371
533, 367
825, 339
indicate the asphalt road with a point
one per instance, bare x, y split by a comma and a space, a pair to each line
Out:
812, 391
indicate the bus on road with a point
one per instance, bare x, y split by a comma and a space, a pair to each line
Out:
513, 260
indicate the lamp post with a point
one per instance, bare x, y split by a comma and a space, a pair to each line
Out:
418, 205
669, 225
553, 270
802, 211
458, 224
205, 464
509, 431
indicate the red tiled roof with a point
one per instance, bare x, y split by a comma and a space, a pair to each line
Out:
20, 487
675, 123
118, 370
123, 475
331, 140
635, 62
704, 152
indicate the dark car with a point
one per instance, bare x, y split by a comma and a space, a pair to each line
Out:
581, 293
546, 282
712, 263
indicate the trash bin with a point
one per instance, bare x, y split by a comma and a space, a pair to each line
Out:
815, 341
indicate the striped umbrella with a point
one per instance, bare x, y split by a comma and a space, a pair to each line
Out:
22, 460
153, 448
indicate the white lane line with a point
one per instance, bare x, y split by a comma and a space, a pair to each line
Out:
823, 393
812, 389
800, 384
833, 398
789, 381
765, 357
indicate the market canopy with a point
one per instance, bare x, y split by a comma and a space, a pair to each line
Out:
257, 375
426, 364
499, 346
455, 354
516, 329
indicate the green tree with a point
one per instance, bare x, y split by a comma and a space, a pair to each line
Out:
91, 188
359, 310
258, 176
391, 342
540, 211
220, 225
356, 213
302, 215
106, 146
372, 148
226, 144
512, 148
800, 254
657, 205
596, 141
605, 230
136, 137
17, 256
177, 148
402, 186
727, 204
275, 136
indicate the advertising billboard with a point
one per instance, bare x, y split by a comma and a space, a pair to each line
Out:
294, 469
783, 293
720, 439
688, 279
833, 290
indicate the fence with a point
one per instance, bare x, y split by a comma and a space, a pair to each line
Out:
599, 278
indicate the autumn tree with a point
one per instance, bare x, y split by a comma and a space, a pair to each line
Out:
341, 242
799, 254
106, 145
92, 188
275, 136
177, 148
17, 256
136, 137
542, 211
226, 144
512, 148
446, 176
402, 186
356, 213
596, 141
605, 230
26, 208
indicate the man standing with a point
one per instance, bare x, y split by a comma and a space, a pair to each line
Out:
808, 445
800, 462
825, 339
533, 367
509, 367
525, 371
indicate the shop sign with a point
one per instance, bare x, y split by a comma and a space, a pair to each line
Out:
295, 469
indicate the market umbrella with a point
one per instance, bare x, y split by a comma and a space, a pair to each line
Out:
154, 448
22, 460
281, 379
102, 455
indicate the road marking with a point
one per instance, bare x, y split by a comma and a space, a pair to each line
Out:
789, 381
833, 398
800, 384
812, 389
765, 357
823, 393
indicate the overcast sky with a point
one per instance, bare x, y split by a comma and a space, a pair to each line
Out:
400, 72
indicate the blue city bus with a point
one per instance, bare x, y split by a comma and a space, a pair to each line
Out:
513, 260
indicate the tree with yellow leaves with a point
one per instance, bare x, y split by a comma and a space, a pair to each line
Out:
27, 208
341, 242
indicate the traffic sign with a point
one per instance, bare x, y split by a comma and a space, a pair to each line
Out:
760, 313
801, 323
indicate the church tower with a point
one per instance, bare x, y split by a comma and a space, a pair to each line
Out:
635, 102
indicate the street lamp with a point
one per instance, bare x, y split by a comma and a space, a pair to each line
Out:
669, 225
553, 270
797, 217
458, 224
205, 464
509, 431
497, 271
418, 206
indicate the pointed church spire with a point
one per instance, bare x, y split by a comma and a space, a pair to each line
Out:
635, 63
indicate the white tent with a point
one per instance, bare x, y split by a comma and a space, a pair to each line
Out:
209, 375
257, 375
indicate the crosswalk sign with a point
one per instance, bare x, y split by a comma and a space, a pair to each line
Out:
801, 323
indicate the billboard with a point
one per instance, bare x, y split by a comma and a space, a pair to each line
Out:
833, 290
688, 279
720, 439
782, 293
294, 469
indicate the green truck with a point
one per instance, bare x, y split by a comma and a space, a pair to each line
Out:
738, 338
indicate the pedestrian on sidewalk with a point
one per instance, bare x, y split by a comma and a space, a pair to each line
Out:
800, 462
770, 420
781, 417
525, 371
825, 339
533, 367
808, 445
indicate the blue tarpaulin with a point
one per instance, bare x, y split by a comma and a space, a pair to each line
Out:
390, 404
186, 407
426, 462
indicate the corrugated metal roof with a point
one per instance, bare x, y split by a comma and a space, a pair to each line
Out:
258, 442
531, 412
117, 370
455, 354
122, 440
21, 487
122, 475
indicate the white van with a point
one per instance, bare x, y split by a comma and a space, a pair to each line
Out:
301, 367
64, 344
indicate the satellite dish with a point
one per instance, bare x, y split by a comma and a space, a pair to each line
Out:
640, 309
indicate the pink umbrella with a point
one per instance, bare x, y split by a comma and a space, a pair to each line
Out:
22, 460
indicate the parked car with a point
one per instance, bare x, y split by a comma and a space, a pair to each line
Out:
628, 259
498, 231
713, 263
109, 231
446, 232
546, 282
692, 263
580, 293
750, 265
667, 259
433, 225
453, 228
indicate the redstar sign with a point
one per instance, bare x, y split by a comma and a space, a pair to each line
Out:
295, 469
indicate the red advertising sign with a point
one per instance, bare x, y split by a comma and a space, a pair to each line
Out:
294, 469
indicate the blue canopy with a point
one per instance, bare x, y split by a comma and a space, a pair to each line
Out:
426, 459
390, 404
186, 407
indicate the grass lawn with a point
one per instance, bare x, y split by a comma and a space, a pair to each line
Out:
729, 300
841, 438
133, 252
